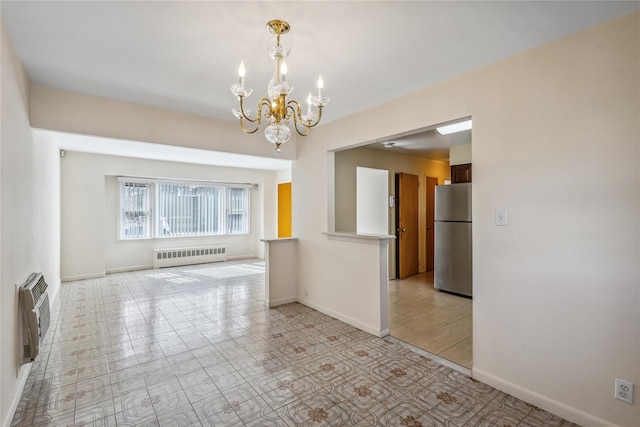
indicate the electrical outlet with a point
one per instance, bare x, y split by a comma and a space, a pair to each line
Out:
624, 390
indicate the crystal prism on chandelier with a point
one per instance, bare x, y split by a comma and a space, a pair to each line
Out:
275, 108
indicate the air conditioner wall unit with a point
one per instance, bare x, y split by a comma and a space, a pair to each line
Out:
36, 315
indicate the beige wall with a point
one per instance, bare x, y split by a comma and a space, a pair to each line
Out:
15, 244
71, 112
555, 141
29, 235
346, 162
460, 154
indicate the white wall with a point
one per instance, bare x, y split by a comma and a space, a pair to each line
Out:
372, 201
281, 275
29, 210
283, 175
555, 141
338, 277
46, 210
90, 246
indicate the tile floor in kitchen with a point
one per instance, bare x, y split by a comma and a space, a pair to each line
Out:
194, 346
437, 322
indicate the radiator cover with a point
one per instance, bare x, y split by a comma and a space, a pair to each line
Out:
187, 256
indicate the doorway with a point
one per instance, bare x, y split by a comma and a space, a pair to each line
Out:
430, 189
407, 261
284, 210
437, 322
418, 314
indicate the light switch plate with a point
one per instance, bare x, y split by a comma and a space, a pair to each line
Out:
501, 217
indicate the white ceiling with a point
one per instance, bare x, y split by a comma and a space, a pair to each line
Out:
428, 144
183, 55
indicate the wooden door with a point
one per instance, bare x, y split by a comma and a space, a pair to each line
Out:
284, 210
407, 225
431, 198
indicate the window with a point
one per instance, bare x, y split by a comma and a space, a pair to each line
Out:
135, 219
237, 210
182, 209
189, 210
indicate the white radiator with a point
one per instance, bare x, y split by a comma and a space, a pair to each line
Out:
188, 256
36, 317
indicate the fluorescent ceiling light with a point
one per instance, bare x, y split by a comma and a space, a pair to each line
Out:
456, 127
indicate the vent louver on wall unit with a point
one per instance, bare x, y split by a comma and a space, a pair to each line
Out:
34, 304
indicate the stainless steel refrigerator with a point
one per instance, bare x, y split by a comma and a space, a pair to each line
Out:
453, 239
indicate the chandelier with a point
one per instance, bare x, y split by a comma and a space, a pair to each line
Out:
276, 109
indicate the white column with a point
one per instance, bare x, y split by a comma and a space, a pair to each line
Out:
281, 271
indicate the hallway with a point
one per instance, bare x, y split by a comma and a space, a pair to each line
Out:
437, 322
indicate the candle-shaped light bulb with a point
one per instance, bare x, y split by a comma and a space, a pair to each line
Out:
241, 73
283, 70
320, 85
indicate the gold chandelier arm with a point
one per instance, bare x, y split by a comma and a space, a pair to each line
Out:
319, 116
296, 112
247, 130
258, 114
258, 118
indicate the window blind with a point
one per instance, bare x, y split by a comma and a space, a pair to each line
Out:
182, 209
135, 220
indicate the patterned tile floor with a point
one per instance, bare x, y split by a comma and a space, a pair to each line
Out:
194, 346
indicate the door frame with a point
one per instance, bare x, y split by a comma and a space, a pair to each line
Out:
430, 198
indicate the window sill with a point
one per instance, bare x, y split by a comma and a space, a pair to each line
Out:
184, 237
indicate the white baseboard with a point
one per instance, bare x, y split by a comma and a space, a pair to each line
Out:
22, 380
347, 319
281, 301
81, 277
237, 257
150, 266
132, 268
560, 409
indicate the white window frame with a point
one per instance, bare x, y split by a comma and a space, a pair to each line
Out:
154, 208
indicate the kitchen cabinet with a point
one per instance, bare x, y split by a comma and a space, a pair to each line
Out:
461, 173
